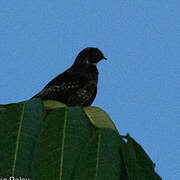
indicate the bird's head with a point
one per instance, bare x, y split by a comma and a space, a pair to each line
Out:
89, 56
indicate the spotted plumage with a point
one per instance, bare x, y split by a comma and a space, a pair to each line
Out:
77, 86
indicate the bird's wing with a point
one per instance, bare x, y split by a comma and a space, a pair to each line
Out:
62, 86
84, 96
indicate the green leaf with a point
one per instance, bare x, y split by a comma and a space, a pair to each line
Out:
138, 165
77, 148
48, 140
99, 118
20, 127
51, 104
100, 158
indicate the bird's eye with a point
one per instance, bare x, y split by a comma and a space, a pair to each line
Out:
96, 54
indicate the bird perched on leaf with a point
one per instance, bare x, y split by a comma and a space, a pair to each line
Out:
77, 86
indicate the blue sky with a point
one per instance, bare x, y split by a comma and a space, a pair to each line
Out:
138, 85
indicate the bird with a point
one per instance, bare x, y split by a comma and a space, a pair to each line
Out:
77, 86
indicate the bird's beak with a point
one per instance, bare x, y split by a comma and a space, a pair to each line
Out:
104, 58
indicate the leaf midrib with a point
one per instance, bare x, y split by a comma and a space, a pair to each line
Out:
17, 140
63, 144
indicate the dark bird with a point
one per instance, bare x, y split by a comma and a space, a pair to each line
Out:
77, 86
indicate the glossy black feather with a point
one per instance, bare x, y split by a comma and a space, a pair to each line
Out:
78, 84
